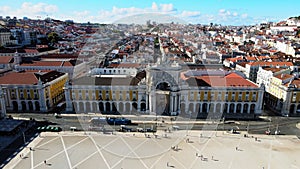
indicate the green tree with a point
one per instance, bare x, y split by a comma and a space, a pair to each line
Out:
53, 37
298, 32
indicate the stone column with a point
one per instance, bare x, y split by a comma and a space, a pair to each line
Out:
2, 102
42, 99
124, 107
104, 106
140, 94
214, 108
234, 110
69, 106
84, 106
117, 105
249, 105
18, 98
260, 102
152, 103
200, 108
171, 102
186, 103
147, 102
178, 103
130, 107
222, 107
175, 103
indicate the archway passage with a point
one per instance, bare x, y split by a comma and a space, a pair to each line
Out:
101, 107
37, 106
15, 106
143, 106
252, 108
292, 109
107, 105
30, 106
163, 98
23, 106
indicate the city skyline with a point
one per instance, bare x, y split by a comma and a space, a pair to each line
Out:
225, 12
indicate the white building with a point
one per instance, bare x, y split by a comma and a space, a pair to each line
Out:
6, 37
264, 75
252, 68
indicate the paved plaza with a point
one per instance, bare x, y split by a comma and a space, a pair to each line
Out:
178, 149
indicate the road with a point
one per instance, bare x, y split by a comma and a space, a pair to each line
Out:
286, 125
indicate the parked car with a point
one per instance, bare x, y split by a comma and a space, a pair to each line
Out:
118, 121
125, 129
49, 128
97, 121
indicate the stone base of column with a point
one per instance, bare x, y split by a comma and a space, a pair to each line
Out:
174, 113
43, 109
258, 112
152, 113
69, 109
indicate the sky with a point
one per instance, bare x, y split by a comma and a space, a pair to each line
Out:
225, 12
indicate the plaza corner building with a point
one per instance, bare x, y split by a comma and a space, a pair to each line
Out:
32, 91
167, 89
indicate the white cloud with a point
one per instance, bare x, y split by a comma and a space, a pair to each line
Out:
82, 13
167, 7
154, 6
222, 16
116, 13
28, 8
4, 9
244, 15
222, 10
31, 10
189, 13
224, 13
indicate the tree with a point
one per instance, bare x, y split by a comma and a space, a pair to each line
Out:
53, 37
298, 33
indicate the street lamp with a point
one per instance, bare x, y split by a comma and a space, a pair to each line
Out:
187, 125
248, 128
24, 139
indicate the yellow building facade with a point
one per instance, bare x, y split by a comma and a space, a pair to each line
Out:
33, 91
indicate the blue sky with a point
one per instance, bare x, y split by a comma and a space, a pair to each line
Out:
234, 12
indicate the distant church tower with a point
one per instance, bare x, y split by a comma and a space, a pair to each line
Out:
17, 58
2, 104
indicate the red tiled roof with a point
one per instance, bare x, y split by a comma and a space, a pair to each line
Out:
230, 80
263, 57
67, 64
28, 78
262, 63
283, 76
250, 58
243, 64
272, 69
31, 51
295, 83
47, 63
124, 65
5, 59
59, 56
